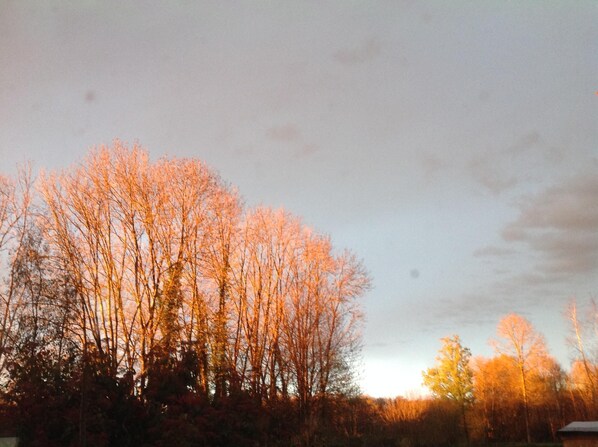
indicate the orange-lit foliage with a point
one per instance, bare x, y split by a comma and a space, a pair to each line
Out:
579, 376
584, 373
153, 273
418, 421
582, 381
495, 381
521, 391
519, 340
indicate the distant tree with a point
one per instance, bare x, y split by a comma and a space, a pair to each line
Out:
494, 380
583, 368
452, 378
580, 387
547, 391
519, 340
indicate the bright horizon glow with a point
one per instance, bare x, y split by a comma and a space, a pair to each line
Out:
381, 380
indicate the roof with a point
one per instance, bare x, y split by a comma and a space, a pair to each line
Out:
580, 427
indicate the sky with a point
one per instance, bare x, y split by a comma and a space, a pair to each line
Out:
452, 146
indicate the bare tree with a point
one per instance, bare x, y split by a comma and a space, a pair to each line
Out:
15, 224
141, 242
495, 380
164, 264
519, 340
578, 340
145, 271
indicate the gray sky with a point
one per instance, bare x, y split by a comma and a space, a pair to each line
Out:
451, 145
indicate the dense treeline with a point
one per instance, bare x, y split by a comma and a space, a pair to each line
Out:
142, 305
522, 393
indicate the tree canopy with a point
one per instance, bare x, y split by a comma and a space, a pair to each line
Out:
149, 282
452, 378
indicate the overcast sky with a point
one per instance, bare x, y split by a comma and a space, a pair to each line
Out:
453, 146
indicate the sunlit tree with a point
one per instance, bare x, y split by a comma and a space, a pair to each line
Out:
452, 378
494, 380
582, 340
146, 246
163, 290
518, 339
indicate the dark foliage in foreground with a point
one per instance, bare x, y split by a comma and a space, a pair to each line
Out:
75, 401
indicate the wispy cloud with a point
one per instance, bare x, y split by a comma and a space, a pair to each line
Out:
470, 309
291, 135
432, 164
525, 142
488, 173
286, 133
492, 251
560, 226
510, 166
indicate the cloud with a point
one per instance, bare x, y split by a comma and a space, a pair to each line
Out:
492, 251
470, 309
525, 142
364, 53
568, 207
486, 172
537, 280
292, 136
306, 150
287, 132
432, 164
560, 226
526, 156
